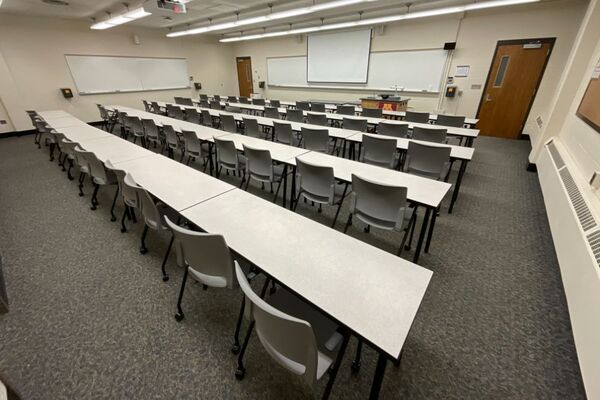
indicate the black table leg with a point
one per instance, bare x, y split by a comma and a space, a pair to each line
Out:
422, 234
461, 172
285, 169
378, 379
293, 188
430, 233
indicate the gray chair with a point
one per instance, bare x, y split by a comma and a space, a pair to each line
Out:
231, 109
101, 176
379, 151
128, 195
315, 139
303, 105
298, 337
205, 257
232, 99
228, 123
317, 119
147, 106
258, 102
229, 158
174, 112
108, 118
260, 167
82, 163
381, 206
272, 112
178, 100
282, 133
275, 103
192, 115
215, 105
203, 97
346, 110
207, 119
134, 125
172, 142
450, 120
216, 98
355, 124
244, 100
251, 127
156, 108
317, 107
372, 112
68, 147
435, 135
295, 115
204, 104
392, 129
430, 161
193, 148
317, 183
419, 117
186, 101
151, 132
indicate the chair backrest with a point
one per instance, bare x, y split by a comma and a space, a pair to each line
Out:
152, 216
228, 123
317, 119
96, 166
317, 107
104, 113
251, 127
346, 110
272, 112
379, 205
206, 118
67, 146
215, 105
315, 139
232, 99
391, 129
303, 105
174, 112
435, 135
191, 142
192, 115
275, 103
283, 132
420, 117
205, 253
455, 121
258, 102
427, 160
372, 112
233, 109
289, 341
135, 125
244, 100
226, 152
155, 107
150, 128
216, 97
316, 181
178, 100
171, 136
203, 97
147, 106
80, 157
378, 151
295, 115
128, 193
204, 104
121, 118
355, 124
259, 164
41, 126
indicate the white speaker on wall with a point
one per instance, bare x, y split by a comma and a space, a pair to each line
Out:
136, 39
299, 38
380, 30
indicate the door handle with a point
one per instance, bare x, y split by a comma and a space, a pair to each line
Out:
488, 98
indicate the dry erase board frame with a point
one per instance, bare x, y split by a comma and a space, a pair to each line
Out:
589, 109
134, 74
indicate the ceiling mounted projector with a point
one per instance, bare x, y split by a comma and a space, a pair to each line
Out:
176, 6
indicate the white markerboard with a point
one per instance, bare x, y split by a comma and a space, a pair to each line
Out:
414, 70
105, 74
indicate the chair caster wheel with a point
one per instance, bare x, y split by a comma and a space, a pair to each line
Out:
406, 247
355, 366
80, 194
123, 230
165, 278
240, 373
367, 229
113, 219
93, 208
143, 250
179, 317
272, 290
235, 349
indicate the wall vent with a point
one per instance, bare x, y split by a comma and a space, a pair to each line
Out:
556, 157
594, 242
586, 219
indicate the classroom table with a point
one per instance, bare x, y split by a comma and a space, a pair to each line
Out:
114, 149
78, 133
457, 153
372, 293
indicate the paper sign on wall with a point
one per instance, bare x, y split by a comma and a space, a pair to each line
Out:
462, 71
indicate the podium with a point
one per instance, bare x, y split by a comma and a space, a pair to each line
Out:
391, 103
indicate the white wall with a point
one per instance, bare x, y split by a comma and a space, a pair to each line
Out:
476, 34
33, 66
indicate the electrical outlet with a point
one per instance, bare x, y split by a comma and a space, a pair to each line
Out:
539, 121
476, 86
3, 122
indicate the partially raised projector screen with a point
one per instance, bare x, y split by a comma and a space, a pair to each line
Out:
108, 74
339, 57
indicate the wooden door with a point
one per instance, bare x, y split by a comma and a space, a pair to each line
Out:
244, 70
512, 83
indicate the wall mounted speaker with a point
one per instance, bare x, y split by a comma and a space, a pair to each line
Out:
136, 39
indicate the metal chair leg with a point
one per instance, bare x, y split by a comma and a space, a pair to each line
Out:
179, 316
236, 336
125, 213
94, 199
336, 366
143, 248
356, 362
165, 277
348, 222
241, 370
113, 217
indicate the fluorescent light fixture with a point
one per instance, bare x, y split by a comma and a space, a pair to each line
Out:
381, 20
121, 19
269, 17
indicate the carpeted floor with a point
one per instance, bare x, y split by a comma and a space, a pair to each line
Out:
90, 317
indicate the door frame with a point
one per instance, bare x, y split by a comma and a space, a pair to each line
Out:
549, 40
251, 76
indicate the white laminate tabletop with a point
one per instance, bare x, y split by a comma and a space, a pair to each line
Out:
175, 184
372, 292
279, 151
78, 133
62, 122
424, 191
457, 152
54, 114
115, 149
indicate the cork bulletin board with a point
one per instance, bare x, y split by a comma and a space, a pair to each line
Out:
589, 108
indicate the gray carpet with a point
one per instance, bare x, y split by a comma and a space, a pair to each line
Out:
90, 317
